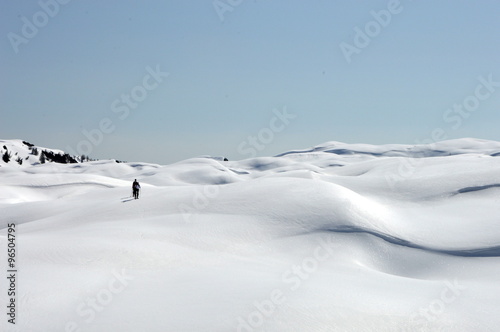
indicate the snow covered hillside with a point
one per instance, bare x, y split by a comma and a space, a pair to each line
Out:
339, 237
23, 153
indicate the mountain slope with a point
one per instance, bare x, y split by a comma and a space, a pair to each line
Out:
19, 153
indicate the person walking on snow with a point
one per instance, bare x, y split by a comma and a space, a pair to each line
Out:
135, 189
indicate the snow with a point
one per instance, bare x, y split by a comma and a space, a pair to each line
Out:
338, 237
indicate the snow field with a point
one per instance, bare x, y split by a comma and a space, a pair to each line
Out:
321, 239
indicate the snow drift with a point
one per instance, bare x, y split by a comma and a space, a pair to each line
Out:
338, 237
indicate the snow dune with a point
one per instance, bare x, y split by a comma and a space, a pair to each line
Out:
338, 237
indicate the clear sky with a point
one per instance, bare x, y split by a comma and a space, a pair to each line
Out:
161, 81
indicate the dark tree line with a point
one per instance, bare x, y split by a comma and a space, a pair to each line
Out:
60, 158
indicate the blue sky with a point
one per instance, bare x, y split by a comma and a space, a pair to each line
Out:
161, 81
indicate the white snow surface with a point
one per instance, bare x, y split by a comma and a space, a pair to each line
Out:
339, 237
